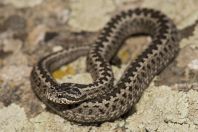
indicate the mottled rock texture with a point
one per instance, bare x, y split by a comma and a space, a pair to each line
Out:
31, 29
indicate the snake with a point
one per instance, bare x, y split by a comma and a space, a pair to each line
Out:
103, 99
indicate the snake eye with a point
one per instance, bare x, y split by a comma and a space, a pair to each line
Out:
59, 95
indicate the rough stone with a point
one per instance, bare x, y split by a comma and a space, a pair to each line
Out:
22, 3
83, 19
163, 107
13, 118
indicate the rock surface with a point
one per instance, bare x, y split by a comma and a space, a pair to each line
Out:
33, 29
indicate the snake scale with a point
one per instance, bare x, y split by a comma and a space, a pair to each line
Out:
103, 100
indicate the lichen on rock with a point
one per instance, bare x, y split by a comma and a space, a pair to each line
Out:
168, 104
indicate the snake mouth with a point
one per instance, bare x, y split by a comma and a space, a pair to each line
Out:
64, 98
66, 93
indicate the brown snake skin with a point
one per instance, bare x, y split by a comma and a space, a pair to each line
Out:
102, 100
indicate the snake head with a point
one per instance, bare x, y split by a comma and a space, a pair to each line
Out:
68, 93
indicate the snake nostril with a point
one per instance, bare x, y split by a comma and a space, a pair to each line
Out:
59, 95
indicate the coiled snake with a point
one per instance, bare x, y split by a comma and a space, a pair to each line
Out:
102, 100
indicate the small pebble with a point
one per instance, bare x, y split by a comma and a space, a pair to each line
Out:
37, 35
193, 64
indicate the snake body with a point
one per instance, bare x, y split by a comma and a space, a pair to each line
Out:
101, 100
